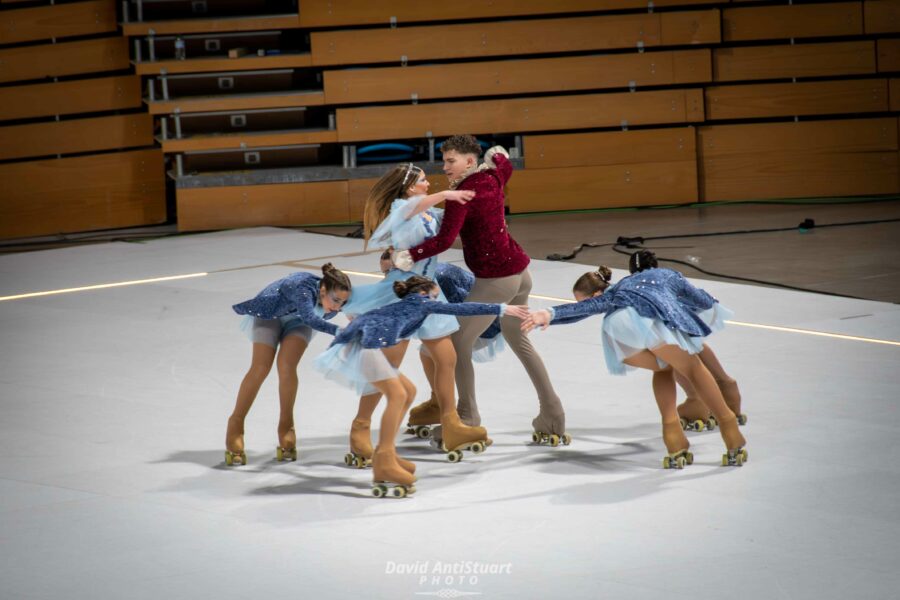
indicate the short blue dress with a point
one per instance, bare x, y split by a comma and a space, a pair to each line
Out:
649, 309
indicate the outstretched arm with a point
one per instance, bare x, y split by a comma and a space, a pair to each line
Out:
471, 309
423, 203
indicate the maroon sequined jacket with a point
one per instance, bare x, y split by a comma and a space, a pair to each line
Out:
488, 248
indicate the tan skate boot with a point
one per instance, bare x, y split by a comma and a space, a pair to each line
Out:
694, 416
458, 437
677, 446
287, 444
360, 455
234, 442
387, 470
732, 397
736, 454
423, 416
408, 465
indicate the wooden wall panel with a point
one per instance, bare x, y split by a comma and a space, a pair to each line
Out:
514, 37
70, 97
212, 25
574, 188
313, 203
789, 99
58, 20
610, 148
794, 60
495, 78
519, 115
791, 21
882, 16
888, 55
778, 175
81, 135
84, 193
805, 137
806, 159
70, 58
895, 94
327, 13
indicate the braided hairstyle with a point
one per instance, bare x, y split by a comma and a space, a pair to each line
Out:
641, 261
413, 285
593, 282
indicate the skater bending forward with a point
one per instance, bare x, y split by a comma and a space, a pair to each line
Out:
357, 358
282, 318
651, 322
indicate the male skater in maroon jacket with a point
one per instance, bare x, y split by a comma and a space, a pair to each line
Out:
500, 267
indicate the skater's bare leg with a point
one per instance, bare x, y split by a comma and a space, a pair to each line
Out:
260, 364
289, 355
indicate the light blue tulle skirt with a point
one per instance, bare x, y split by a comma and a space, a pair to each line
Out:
625, 333
355, 367
486, 350
376, 295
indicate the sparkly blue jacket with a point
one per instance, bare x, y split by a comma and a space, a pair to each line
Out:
661, 294
456, 283
297, 294
387, 325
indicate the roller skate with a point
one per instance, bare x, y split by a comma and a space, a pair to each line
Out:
694, 416
360, 455
457, 437
234, 443
732, 397
677, 446
735, 455
543, 431
389, 477
423, 417
287, 445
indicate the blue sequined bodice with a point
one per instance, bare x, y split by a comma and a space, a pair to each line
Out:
661, 294
294, 295
389, 324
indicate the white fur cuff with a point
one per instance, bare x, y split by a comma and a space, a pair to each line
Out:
489, 155
403, 260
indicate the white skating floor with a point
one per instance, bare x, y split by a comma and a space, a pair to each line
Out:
112, 481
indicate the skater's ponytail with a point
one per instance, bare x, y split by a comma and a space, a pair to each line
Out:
641, 261
334, 280
593, 282
392, 185
413, 285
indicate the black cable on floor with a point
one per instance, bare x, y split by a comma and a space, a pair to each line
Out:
630, 244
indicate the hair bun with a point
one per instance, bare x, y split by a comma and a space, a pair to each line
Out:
605, 273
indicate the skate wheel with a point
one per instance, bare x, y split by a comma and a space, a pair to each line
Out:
279, 454
554, 440
680, 462
711, 424
684, 423
698, 425
742, 419
689, 457
348, 459
454, 456
744, 454
243, 458
423, 433
359, 462
667, 462
379, 491
399, 492
724, 460
536, 437
229, 458
739, 459
410, 490
293, 454
566, 439
477, 448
